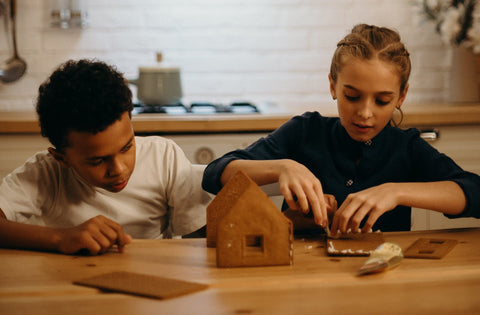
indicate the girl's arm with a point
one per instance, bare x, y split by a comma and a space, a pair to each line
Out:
301, 189
443, 196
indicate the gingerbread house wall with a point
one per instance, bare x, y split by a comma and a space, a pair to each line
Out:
254, 232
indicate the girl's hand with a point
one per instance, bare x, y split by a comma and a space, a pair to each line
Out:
371, 202
331, 206
303, 191
96, 236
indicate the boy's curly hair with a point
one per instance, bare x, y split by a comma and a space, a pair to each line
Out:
84, 95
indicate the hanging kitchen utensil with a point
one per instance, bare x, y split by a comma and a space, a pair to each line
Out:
12, 69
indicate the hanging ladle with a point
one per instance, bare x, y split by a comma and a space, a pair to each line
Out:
12, 69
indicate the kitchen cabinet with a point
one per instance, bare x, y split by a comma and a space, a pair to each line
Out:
204, 148
461, 142
15, 149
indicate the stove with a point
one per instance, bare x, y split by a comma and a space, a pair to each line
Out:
197, 108
204, 147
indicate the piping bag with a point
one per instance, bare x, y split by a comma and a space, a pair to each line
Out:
385, 256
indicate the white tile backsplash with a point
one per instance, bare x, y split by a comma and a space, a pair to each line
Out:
277, 50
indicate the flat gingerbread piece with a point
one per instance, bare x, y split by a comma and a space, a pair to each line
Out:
140, 284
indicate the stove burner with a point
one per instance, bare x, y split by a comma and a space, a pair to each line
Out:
197, 108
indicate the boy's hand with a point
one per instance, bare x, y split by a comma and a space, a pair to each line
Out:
96, 236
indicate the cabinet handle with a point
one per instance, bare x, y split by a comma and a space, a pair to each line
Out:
430, 135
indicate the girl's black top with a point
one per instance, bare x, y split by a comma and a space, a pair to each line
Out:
345, 166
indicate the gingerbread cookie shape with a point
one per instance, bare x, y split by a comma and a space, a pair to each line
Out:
247, 228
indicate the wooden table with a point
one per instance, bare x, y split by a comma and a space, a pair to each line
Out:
41, 283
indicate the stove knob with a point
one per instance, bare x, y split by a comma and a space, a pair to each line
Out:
204, 155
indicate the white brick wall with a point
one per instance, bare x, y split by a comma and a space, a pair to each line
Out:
277, 50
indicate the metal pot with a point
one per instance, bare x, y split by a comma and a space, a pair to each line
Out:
157, 85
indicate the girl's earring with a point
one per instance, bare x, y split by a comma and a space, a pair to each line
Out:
399, 116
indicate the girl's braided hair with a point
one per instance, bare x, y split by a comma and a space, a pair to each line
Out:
369, 42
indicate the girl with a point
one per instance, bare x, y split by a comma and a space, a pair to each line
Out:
376, 171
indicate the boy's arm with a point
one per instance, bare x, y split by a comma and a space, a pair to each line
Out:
96, 236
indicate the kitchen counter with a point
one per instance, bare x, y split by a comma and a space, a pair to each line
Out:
414, 115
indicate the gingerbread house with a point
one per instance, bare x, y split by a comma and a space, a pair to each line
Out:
247, 228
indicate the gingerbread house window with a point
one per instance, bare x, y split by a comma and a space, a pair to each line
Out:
253, 245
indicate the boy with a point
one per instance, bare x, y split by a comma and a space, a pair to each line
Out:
99, 185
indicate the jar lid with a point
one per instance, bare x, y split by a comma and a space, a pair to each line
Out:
158, 69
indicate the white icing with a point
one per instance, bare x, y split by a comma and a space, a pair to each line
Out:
331, 248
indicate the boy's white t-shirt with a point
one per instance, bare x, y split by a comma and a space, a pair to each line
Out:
163, 197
